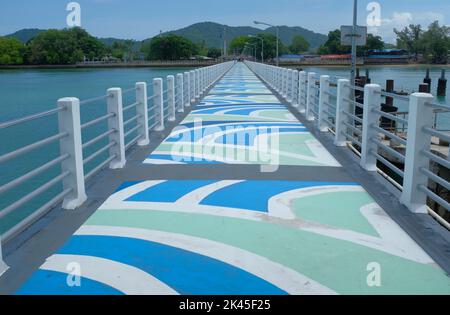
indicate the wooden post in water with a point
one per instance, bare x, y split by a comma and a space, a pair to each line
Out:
427, 80
442, 85
368, 79
389, 89
423, 88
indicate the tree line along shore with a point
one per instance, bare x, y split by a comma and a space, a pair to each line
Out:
70, 47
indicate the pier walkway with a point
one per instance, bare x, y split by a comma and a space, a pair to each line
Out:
241, 198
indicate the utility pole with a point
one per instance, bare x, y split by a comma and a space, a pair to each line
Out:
225, 48
355, 24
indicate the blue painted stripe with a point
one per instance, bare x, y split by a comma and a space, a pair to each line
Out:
255, 195
45, 282
169, 191
186, 272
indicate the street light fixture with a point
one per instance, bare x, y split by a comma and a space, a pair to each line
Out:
262, 46
278, 38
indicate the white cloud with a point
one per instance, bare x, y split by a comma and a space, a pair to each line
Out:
399, 20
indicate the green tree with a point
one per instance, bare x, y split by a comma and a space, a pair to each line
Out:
66, 46
124, 50
270, 45
169, 47
299, 45
11, 51
435, 43
409, 38
214, 53
333, 45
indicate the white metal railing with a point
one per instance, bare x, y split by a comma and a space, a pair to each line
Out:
354, 114
144, 114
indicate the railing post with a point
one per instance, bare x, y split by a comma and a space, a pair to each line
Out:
343, 92
171, 97
302, 91
324, 100
289, 86
3, 266
280, 80
197, 84
180, 93
193, 88
310, 96
420, 117
187, 89
142, 111
285, 83
69, 122
115, 106
158, 103
294, 100
372, 100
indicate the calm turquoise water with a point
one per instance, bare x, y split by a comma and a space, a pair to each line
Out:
24, 92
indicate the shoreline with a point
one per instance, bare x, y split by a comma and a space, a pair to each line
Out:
169, 64
177, 64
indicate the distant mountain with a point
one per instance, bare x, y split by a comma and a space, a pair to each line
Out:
209, 33
26, 34
212, 34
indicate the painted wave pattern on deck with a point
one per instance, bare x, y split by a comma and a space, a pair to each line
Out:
236, 125
196, 237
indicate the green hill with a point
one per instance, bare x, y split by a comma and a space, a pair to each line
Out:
26, 34
212, 34
209, 33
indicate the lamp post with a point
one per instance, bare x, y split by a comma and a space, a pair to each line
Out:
262, 46
278, 38
255, 47
355, 23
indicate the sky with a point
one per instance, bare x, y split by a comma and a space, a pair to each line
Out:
141, 19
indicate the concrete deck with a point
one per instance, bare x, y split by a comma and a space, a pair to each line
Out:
240, 198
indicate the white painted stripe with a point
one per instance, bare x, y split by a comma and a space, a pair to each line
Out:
280, 206
198, 195
282, 277
133, 190
163, 162
124, 278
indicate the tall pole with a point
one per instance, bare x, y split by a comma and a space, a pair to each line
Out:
262, 50
355, 23
278, 48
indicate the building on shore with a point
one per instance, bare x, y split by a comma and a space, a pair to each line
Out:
391, 56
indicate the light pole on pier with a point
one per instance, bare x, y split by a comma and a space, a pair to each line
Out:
278, 38
254, 47
355, 24
262, 46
